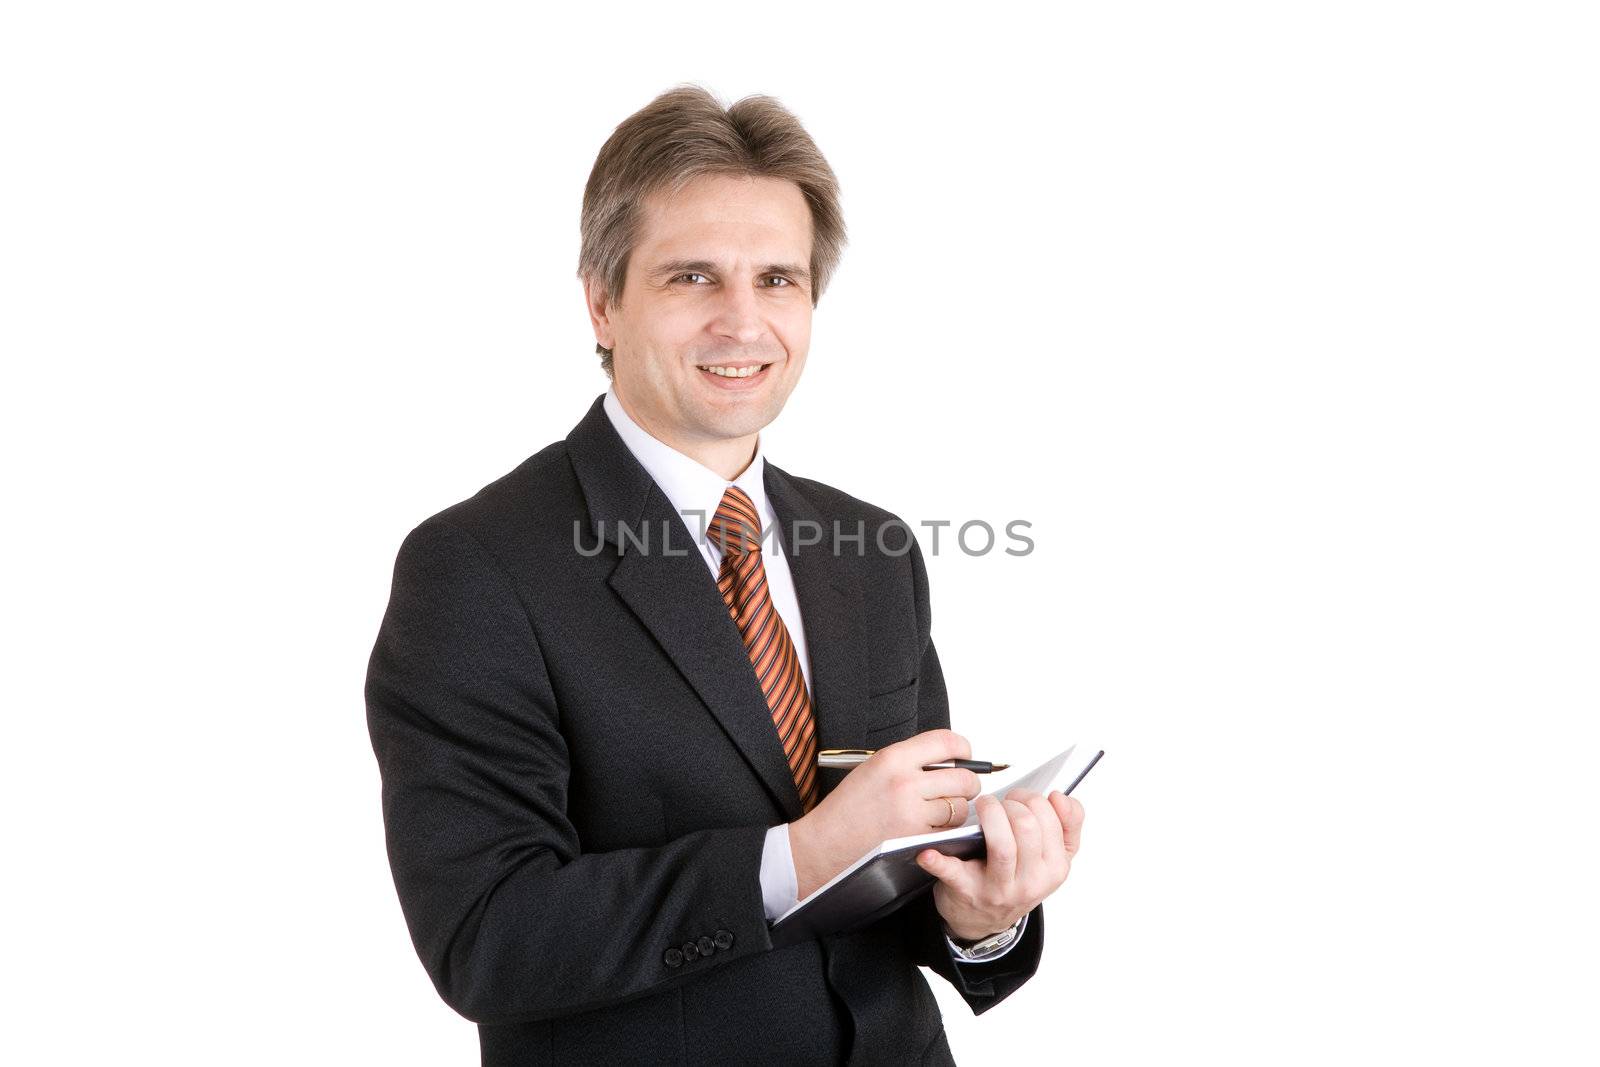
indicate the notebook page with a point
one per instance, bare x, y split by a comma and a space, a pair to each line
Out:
1041, 779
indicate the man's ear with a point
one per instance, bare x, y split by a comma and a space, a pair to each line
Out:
599, 304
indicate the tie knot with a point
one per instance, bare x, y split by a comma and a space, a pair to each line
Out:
736, 528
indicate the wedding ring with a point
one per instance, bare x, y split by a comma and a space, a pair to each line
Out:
952, 802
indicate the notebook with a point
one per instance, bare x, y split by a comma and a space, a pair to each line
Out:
887, 878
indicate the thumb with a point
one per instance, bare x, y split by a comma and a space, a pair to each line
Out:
938, 864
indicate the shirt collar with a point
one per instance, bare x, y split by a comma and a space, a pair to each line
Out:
689, 485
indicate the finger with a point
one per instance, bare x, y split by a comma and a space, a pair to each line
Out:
1070, 812
939, 817
1021, 795
960, 876
1030, 840
1051, 834
999, 842
930, 746
949, 782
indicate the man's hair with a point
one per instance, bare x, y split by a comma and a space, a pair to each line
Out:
683, 134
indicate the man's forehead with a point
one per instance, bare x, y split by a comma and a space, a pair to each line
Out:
722, 219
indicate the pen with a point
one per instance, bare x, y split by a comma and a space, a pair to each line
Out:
849, 757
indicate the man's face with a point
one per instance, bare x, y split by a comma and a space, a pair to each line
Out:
718, 278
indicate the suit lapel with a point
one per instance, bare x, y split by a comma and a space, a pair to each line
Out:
830, 609
669, 588
671, 591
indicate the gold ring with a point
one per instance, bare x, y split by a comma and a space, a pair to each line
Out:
952, 802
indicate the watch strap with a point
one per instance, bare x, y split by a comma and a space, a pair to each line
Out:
988, 948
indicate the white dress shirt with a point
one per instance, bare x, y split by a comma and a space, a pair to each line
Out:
695, 492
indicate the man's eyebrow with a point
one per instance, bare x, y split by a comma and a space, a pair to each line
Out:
679, 266
705, 266
791, 269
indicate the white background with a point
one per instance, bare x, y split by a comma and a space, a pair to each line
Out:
1277, 321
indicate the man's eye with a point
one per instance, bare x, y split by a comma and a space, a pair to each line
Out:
690, 274
778, 278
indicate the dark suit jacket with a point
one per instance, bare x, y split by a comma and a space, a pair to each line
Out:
579, 770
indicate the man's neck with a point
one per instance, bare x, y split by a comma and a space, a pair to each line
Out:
728, 456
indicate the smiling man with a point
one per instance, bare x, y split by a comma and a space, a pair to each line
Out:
706, 363
600, 687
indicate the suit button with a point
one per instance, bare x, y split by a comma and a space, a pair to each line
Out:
690, 952
673, 958
705, 945
724, 939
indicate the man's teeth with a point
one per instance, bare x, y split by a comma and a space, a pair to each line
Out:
735, 372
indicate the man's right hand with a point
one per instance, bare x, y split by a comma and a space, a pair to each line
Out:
888, 795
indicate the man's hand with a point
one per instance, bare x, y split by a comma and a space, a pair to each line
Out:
889, 795
1030, 842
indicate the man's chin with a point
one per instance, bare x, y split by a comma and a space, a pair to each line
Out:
730, 421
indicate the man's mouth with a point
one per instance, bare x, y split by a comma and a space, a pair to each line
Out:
722, 370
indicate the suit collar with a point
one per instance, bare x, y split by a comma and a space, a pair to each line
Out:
666, 584
615, 485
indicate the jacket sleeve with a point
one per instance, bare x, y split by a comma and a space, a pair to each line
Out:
981, 985
513, 921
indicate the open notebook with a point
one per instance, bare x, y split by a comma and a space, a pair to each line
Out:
888, 877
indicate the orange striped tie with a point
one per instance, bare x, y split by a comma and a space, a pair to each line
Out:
743, 583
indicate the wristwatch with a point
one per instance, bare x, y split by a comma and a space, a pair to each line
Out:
988, 947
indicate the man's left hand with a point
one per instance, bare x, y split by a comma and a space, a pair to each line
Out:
1030, 841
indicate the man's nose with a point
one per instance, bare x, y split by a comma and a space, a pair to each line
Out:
738, 315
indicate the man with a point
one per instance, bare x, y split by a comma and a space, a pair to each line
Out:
601, 684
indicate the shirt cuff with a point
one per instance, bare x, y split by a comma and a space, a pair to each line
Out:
961, 955
780, 886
